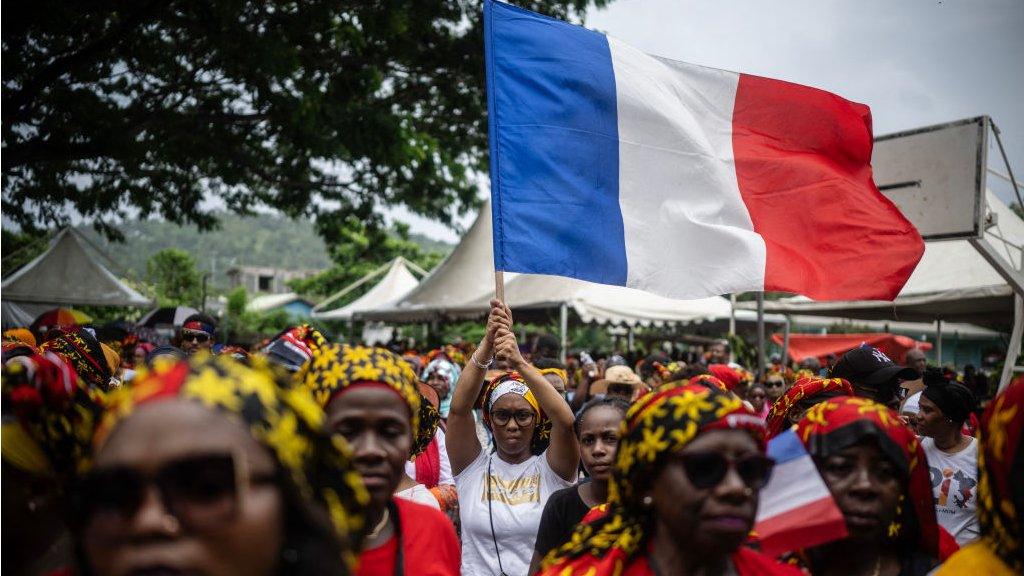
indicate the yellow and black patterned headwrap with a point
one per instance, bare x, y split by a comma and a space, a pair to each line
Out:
336, 367
658, 424
280, 416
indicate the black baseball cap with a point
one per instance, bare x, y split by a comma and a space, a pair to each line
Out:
870, 366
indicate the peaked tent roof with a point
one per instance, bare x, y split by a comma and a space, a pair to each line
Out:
69, 274
952, 282
464, 276
395, 283
462, 285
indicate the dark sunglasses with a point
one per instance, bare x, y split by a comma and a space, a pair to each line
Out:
620, 389
522, 417
705, 470
201, 492
199, 337
774, 384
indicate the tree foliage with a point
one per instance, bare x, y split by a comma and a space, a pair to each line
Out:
172, 273
114, 108
243, 326
358, 250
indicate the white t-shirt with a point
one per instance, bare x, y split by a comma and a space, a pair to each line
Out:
421, 495
955, 485
446, 465
518, 494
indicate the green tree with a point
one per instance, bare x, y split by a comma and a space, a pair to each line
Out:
319, 107
357, 249
173, 275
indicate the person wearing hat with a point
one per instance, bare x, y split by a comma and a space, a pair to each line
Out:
872, 374
618, 382
952, 456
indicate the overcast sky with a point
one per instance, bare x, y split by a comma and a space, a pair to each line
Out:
914, 62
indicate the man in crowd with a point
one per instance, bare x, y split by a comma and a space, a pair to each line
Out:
718, 353
873, 375
197, 333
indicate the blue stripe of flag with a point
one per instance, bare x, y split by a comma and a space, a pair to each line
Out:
554, 155
786, 447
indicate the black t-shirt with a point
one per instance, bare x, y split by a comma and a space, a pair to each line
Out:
562, 513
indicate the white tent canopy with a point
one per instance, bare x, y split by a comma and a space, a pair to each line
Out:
67, 274
462, 285
463, 277
604, 304
395, 283
953, 282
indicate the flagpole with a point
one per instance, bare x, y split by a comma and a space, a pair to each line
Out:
499, 285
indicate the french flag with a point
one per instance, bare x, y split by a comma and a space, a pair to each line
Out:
796, 509
614, 166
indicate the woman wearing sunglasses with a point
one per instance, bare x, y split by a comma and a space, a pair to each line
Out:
502, 493
210, 467
774, 386
878, 475
683, 493
371, 399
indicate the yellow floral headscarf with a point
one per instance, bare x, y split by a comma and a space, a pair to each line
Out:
335, 367
282, 417
658, 424
49, 415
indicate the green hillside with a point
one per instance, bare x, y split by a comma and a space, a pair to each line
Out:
263, 240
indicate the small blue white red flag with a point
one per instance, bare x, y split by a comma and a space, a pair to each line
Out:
796, 509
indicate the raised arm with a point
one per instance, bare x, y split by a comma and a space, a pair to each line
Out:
563, 453
461, 441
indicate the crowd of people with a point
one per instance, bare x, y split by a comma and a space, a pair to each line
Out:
305, 456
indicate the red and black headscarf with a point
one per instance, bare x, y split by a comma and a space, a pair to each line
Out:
838, 423
803, 391
83, 352
1001, 477
658, 424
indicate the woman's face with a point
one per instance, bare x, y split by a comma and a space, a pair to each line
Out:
716, 520
245, 540
931, 421
757, 398
774, 388
599, 441
866, 486
440, 384
512, 438
377, 424
140, 356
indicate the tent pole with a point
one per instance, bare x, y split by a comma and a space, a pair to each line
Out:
563, 329
629, 339
1013, 350
938, 342
760, 336
732, 314
785, 343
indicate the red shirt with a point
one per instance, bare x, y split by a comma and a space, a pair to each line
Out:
429, 545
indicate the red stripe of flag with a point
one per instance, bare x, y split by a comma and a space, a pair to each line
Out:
805, 526
803, 163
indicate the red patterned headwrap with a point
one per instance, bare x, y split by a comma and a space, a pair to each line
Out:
805, 388
1001, 476
836, 424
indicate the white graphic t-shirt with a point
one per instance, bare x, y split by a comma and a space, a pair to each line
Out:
955, 485
518, 493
